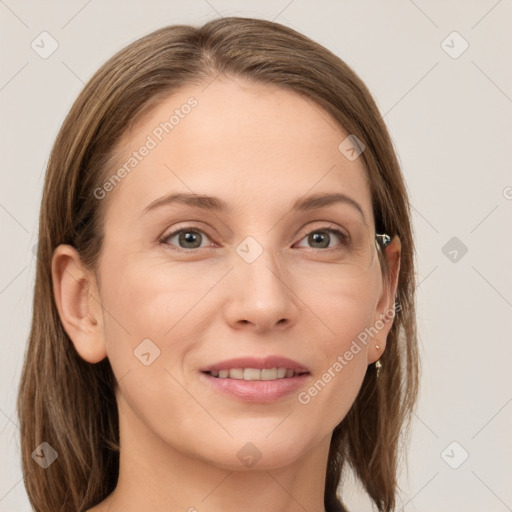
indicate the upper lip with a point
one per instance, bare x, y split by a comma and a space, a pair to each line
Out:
260, 363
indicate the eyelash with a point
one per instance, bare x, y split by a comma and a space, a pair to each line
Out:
345, 240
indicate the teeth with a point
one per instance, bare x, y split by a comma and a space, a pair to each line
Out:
236, 373
269, 374
254, 373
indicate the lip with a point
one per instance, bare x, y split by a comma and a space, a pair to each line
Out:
260, 363
256, 391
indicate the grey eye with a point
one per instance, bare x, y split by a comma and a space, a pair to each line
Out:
321, 238
187, 238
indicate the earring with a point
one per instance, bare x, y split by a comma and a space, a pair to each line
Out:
378, 364
383, 239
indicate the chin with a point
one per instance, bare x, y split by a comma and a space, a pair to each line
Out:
255, 450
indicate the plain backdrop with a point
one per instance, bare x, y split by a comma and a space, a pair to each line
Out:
440, 73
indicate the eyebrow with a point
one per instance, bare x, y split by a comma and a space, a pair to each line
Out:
205, 202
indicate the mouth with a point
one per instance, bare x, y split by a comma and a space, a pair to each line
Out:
256, 373
256, 380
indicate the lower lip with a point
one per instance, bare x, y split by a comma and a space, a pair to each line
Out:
262, 391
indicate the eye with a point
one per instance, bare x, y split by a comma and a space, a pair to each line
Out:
321, 238
187, 238
192, 238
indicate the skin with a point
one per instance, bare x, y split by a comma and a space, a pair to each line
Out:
258, 148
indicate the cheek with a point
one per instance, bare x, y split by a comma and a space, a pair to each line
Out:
341, 308
344, 311
156, 315
146, 301
149, 297
148, 308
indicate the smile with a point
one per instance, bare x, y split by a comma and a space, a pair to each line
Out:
256, 373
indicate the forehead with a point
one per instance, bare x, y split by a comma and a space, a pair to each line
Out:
259, 147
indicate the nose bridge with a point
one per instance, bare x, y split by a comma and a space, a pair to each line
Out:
259, 266
260, 293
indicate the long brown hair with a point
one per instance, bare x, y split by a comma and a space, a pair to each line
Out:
69, 403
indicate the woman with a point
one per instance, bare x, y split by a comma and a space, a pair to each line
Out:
224, 248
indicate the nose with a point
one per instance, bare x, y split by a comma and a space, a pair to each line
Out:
260, 295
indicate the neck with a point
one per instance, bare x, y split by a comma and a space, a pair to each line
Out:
156, 476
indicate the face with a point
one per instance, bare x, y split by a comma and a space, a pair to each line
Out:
256, 281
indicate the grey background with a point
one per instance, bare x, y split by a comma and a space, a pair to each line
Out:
451, 124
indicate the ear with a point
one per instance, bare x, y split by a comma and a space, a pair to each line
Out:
78, 303
385, 311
